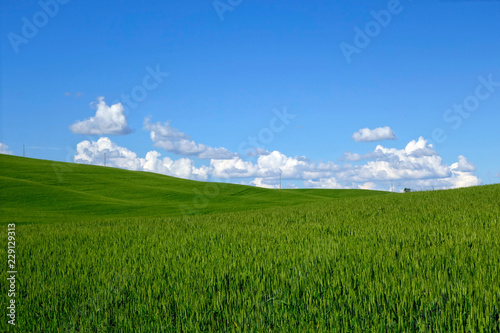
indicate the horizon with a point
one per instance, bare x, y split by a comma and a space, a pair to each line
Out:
59, 174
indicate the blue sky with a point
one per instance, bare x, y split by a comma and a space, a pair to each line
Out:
236, 67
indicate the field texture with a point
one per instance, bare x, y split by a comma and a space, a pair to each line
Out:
329, 261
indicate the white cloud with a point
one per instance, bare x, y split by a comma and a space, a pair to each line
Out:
463, 165
368, 186
276, 162
271, 165
297, 167
4, 149
92, 152
107, 120
260, 182
377, 134
233, 168
456, 179
330, 183
182, 168
348, 156
257, 151
171, 139
417, 166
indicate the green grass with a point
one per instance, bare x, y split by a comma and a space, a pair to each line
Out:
45, 191
331, 261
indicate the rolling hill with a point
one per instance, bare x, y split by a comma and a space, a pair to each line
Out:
126, 251
34, 190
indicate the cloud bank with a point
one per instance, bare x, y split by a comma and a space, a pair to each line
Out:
417, 166
92, 152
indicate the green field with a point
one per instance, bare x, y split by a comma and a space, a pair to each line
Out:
45, 191
108, 250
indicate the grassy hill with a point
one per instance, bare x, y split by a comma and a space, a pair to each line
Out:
119, 255
33, 190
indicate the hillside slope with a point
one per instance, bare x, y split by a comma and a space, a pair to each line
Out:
33, 190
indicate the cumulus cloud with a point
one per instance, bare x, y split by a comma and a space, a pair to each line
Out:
171, 139
4, 149
233, 168
271, 166
418, 165
107, 120
377, 134
463, 165
297, 167
394, 164
92, 152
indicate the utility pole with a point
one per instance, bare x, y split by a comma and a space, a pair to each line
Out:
104, 159
280, 180
24, 154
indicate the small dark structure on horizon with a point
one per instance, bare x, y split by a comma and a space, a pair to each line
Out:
407, 190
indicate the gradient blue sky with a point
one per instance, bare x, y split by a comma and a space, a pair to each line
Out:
226, 76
